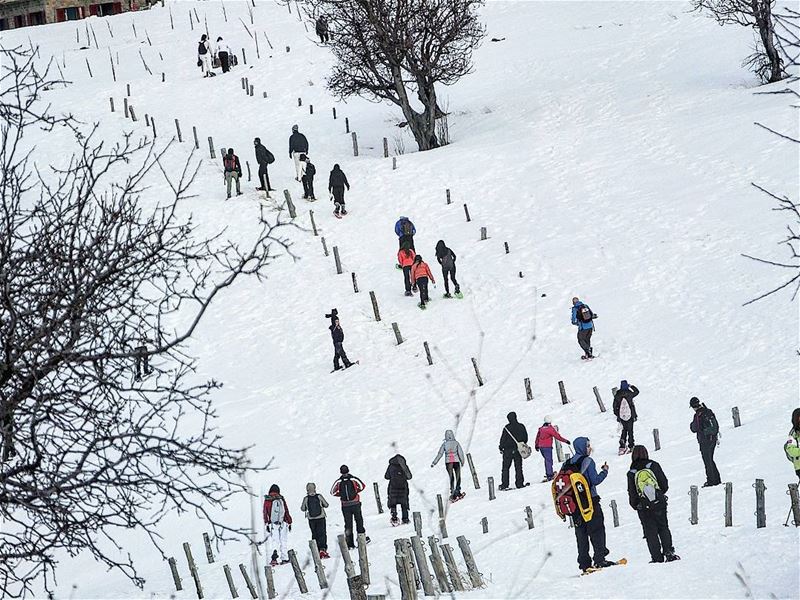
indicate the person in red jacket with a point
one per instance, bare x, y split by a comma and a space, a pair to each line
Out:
278, 523
544, 444
347, 488
420, 274
405, 258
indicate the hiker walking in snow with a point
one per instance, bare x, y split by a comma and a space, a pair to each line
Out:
321, 28
314, 506
447, 258
337, 334
224, 55
420, 274
647, 486
514, 434
705, 426
625, 411
337, 182
405, 260
298, 144
453, 461
398, 475
278, 523
583, 318
233, 171
309, 170
264, 158
347, 488
792, 445
405, 231
204, 55
544, 445
594, 529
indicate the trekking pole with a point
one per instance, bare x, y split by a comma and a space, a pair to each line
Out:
788, 516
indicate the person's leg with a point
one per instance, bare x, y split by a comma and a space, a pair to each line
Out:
422, 283
519, 478
262, 171
337, 347
343, 354
451, 474
404, 507
707, 452
446, 283
407, 278
582, 539
505, 469
236, 179
311, 187
597, 533
359, 519
322, 533
228, 178
393, 508
664, 533
223, 61
583, 341
347, 512
304, 181
650, 527
453, 277
283, 533
457, 471
266, 176
714, 470
547, 453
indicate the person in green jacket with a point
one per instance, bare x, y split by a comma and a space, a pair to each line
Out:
792, 445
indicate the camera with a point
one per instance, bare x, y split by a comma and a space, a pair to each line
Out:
333, 314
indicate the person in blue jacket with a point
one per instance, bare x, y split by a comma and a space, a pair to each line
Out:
583, 318
405, 231
594, 530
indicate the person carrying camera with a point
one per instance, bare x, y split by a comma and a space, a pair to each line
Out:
337, 334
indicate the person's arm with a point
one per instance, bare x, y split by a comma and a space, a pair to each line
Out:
592, 476
574, 315
238, 167
387, 475
407, 471
287, 518
346, 183
330, 183
454, 255
359, 483
634, 391
335, 488
290, 146
322, 501
304, 504
693, 425
524, 436
438, 455
560, 437
663, 484
265, 510
633, 497
461, 457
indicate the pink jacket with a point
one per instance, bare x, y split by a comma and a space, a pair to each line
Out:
545, 435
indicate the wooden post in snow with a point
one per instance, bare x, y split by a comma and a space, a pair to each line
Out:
475, 481
656, 440
485, 524
178, 130
397, 335
427, 353
559, 451
483, 233
529, 517
528, 393
417, 519
196, 141
324, 246
176, 578
693, 502
452, 568
211, 146
472, 569
735, 412
355, 144
298, 572
614, 512
447, 196
490, 481
599, 399
761, 515
229, 577
377, 492
270, 582
425, 576
313, 222
207, 544
318, 568
438, 566
477, 372
563, 392
193, 569
505, 245
385, 148
355, 283
363, 560
248, 582
729, 504
466, 212
111, 100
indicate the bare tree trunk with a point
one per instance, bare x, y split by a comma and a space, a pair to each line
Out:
762, 11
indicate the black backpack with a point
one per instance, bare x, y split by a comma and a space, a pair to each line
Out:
201, 48
584, 314
311, 170
407, 227
270, 157
314, 506
347, 489
397, 478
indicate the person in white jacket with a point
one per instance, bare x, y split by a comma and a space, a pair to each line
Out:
453, 460
204, 55
224, 55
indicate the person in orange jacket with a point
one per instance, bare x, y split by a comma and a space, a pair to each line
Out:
420, 274
405, 258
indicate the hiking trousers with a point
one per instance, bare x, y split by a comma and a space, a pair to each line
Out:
319, 533
547, 454
229, 177
263, 176
627, 433
351, 513
339, 353
707, 448
454, 473
509, 457
277, 541
452, 274
585, 340
593, 531
656, 532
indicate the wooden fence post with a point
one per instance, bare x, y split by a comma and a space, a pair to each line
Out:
355, 144
407, 589
178, 129
483, 233
475, 481
298, 573
559, 451
427, 353
299, 102
563, 392
417, 518
477, 372
133, 113
193, 569
244, 56
249, 174
248, 582
529, 517
447, 196
736, 420
615, 512
377, 492
438, 566
485, 524
375, 310
385, 148
425, 576
656, 440
452, 568
443, 528
397, 335
599, 399
334, 113
318, 568
324, 246
349, 568
211, 146
128, 90
363, 560
347, 125
466, 212
176, 578
293, 212
337, 260
693, 502
472, 569
505, 245
794, 498
310, 108
729, 504
229, 577
355, 283
761, 515
196, 141
125, 106
394, 163
490, 481
90, 68
153, 124
440, 505
403, 546
209, 553
313, 222
111, 100
270, 582
528, 392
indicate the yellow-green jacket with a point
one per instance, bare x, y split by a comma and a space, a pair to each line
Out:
792, 448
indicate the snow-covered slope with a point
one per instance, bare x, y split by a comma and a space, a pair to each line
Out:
612, 146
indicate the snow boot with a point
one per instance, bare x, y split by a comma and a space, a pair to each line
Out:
670, 556
447, 295
406, 521
409, 294
394, 521
324, 554
621, 451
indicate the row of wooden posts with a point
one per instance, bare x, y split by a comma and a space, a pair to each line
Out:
410, 560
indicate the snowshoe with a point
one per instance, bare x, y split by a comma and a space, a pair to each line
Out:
324, 554
621, 451
409, 294
446, 296
459, 295
406, 521
273, 562
394, 522
422, 305
337, 215
603, 565
455, 499
355, 362
671, 557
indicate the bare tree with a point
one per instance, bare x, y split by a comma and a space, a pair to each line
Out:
399, 51
756, 14
104, 424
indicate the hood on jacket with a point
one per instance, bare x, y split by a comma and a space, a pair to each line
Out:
295, 128
336, 167
397, 459
451, 437
441, 249
623, 385
581, 446
274, 489
403, 219
796, 419
512, 417
311, 489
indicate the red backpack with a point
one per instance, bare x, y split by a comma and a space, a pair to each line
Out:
229, 162
571, 492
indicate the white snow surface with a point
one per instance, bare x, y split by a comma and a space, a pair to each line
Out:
612, 145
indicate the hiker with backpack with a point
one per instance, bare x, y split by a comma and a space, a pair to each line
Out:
453, 461
321, 29
233, 171
544, 445
337, 334
278, 523
347, 488
447, 258
575, 496
337, 182
405, 231
204, 55
583, 318
405, 260
647, 488
625, 411
513, 444
314, 506
307, 177
792, 445
398, 475
705, 426
420, 274
298, 144
224, 55
264, 158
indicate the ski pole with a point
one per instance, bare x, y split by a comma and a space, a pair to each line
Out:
788, 517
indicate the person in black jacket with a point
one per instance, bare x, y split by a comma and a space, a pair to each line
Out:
298, 144
647, 488
447, 258
309, 170
398, 475
512, 433
264, 158
625, 411
321, 29
705, 426
337, 334
337, 182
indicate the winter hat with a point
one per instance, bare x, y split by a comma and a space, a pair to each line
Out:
623, 385
547, 419
311, 489
694, 402
257, 141
274, 489
344, 469
418, 258
295, 128
230, 151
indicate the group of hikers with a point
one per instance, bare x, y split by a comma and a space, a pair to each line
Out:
211, 56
